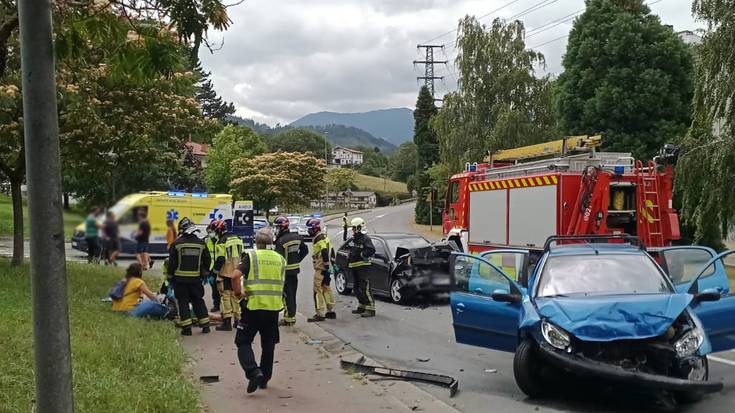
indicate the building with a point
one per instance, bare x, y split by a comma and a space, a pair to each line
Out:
346, 157
199, 150
349, 199
689, 37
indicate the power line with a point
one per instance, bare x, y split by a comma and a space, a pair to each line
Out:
538, 6
554, 23
479, 18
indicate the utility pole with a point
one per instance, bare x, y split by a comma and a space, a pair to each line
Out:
429, 63
52, 355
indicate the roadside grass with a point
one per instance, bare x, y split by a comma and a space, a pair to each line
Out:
372, 183
71, 219
120, 364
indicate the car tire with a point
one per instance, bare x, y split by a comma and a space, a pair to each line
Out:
527, 369
690, 397
340, 283
395, 295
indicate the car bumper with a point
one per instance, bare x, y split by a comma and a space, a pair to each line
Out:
584, 367
426, 285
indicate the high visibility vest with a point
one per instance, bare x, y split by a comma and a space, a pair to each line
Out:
230, 248
264, 283
189, 257
321, 242
211, 246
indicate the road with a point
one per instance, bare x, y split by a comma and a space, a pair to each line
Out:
400, 335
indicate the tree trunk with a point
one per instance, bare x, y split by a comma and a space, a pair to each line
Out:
17, 199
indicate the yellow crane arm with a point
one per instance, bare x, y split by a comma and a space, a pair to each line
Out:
561, 146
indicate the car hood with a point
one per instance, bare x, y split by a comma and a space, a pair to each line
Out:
608, 318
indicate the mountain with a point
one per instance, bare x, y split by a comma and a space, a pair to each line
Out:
394, 125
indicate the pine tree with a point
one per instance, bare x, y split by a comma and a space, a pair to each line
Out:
213, 106
428, 152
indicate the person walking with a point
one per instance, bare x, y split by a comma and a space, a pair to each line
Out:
188, 263
142, 237
344, 227
323, 297
260, 278
359, 262
92, 236
111, 232
294, 250
228, 254
211, 241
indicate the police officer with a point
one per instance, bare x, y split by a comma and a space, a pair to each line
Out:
323, 297
188, 262
292, 248
211, 241
344, 227
260, 279
228, 253
359, 262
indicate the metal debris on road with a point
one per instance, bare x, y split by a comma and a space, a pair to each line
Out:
209, 379
445, 381
422, 359
313, 341
491, 371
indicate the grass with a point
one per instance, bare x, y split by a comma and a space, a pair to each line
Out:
71, 219
120, 364
371, 183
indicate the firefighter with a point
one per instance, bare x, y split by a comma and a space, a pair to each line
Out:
344, 227
260, 279
229, 250
323, 298
359, 262
294, 250
211, 241
188, 262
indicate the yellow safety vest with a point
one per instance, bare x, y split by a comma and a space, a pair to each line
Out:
264, 283
211, 247
319, 246
231, 251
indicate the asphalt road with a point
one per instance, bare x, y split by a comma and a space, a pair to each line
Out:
400, 335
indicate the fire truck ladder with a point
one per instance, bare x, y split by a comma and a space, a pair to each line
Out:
649, 211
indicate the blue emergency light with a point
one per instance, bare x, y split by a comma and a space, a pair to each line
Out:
317, 215
199, 195
619, 169
176, 193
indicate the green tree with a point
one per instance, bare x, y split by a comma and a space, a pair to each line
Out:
423, 136
286, 179
626, 76
212, 104
374, 162
403, 163
300, 140
341, 179
233, 142
707, 166
497, 89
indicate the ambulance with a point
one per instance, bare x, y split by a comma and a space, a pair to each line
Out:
161, 206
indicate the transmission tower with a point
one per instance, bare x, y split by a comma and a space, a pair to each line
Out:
429, 63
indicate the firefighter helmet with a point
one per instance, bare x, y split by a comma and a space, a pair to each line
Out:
220, 227
358, 224
212, 225
313, 226
281, 223
186, 226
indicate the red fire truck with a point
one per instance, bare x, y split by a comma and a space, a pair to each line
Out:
515, 199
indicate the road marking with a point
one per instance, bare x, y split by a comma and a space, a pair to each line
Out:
721, 360
380, 216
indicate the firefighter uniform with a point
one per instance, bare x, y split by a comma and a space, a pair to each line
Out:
188, 262
293, 249
263, 280
228, 255
359, 263
323, 297
211, 244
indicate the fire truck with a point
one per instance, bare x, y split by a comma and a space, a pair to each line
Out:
520, 197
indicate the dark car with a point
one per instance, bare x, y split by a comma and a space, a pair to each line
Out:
404, 266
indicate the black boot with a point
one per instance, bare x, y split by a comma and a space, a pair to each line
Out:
255, 381
316, 318
186, 331
368, 313
205, 329
225, 326
358, 310
331, 315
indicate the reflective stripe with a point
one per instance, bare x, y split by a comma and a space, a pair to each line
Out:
293, 266
271, 293
264, 282
180, 250
358, 264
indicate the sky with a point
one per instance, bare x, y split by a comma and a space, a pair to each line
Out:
283, 59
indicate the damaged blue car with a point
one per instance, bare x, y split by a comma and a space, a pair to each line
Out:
599, 307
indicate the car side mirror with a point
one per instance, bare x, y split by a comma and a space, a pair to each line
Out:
709, 294
505, 297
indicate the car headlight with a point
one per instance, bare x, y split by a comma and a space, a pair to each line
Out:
690, 342
555, 336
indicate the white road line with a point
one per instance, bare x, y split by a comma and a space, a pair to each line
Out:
721, 360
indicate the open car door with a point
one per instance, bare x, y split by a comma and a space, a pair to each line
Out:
485, 303
717, 311
684, 263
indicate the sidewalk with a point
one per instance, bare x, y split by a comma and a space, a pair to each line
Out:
306, 378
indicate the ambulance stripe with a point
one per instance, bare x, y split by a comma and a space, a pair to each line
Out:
554, 180
546, 180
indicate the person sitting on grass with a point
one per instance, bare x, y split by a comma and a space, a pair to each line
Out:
130, 299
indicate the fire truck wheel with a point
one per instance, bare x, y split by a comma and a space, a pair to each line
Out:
340, 283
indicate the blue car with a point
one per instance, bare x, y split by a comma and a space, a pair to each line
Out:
607, 311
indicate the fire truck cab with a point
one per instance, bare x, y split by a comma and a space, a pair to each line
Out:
515, 199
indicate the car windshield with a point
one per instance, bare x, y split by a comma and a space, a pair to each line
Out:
294, 220
409, 243
601, 274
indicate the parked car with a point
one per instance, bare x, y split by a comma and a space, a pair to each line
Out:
259, 222
404, 265
298, 225
599, 310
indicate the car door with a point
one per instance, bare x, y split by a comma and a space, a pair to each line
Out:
485, 303
683, 263
380, 268
717, 317
514, 263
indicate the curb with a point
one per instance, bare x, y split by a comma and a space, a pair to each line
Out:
404, 393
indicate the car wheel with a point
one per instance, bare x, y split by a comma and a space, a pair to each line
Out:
340, 283
395, 291
527, 369
701, 374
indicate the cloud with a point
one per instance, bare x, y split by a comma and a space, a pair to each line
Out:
283, 59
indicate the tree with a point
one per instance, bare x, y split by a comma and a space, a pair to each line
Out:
233, 142
286, 179
374, 162
341, 179
423, 136
213, 106
497, 87
707, 165
300, 140
403, 163
626, 76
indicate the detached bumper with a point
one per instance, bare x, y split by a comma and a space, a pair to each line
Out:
426, 284
590, 368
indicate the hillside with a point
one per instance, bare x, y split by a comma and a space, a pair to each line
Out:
393, 125
340, 135
375, 184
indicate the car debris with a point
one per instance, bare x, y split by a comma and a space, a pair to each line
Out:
209, 378
441, 380
313, 341
422, 359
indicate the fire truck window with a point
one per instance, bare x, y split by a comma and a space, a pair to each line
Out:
454, 192
478, 278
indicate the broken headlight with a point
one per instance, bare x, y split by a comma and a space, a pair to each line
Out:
690, 342
555, 336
